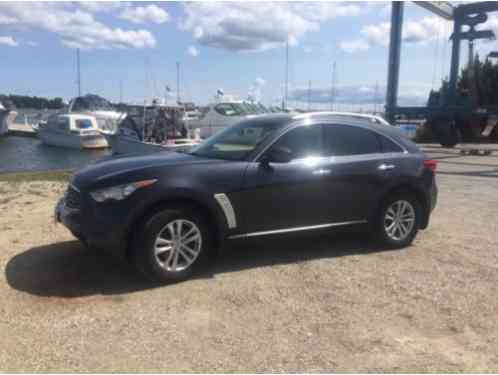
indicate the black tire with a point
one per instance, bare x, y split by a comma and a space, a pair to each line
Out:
379, 228
143, 250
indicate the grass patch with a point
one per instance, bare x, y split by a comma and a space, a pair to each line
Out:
59, 175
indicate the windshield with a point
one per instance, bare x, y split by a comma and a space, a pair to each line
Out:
238, 141
84, 124
230, 109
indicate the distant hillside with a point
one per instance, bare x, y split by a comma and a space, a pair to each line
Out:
34, 102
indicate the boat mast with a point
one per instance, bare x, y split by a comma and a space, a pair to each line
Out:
121, 91
178, 82
376, 97
309, 95
78, 72
286, 72
332, 88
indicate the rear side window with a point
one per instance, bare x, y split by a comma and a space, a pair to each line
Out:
388, 145
345, 140
303, 141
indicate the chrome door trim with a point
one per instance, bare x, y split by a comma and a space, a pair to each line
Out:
227, 208
297, 229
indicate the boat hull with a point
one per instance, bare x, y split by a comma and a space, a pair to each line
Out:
127, 145
51, 138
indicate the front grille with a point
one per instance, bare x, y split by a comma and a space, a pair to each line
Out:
73, 198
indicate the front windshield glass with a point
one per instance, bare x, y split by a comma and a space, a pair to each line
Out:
236, 142
230, 109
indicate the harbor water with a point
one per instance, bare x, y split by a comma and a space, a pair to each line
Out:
29, 154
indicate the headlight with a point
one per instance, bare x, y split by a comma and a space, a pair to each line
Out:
119, 192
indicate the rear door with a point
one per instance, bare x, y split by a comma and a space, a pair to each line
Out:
357, 171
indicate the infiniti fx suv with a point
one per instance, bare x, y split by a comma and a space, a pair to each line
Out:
268, 175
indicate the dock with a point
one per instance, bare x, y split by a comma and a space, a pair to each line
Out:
22, 130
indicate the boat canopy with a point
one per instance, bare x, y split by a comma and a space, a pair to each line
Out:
90, 103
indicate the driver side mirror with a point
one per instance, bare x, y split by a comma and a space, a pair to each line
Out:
277, 155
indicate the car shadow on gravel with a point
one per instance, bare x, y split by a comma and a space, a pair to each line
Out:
68, 269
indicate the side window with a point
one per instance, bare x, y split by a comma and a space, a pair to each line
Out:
302, 142
344, 140
388, 145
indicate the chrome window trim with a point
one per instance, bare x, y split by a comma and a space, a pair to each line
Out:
296, 229
380, 134
228, 210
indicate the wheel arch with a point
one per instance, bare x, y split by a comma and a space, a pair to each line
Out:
209, 211
410, 189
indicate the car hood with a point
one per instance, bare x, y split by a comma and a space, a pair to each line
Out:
130, 168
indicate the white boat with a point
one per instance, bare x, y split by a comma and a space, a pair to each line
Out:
222, 113
106, 115
126, 141
71, 130
7, 117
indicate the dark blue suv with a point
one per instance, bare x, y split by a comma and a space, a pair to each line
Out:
267, 175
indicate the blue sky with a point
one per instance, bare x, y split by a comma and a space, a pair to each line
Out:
239, 47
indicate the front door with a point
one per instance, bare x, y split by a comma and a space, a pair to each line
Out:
279, 196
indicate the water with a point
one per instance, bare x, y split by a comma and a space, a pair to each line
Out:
410, 130
29, 154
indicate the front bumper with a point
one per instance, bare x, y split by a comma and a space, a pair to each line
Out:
91, 230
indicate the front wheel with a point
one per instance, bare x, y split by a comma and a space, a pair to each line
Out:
397, 221
171, 244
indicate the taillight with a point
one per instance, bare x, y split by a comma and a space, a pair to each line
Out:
430, 164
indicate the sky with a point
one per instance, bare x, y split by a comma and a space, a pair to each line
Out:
131, 49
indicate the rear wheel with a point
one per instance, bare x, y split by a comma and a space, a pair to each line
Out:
171, 244
398, 220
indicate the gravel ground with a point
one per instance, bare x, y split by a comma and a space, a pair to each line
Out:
307, 304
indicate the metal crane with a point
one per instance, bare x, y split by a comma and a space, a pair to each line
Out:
445, 117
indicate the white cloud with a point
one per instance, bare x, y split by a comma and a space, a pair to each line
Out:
322, 11
484, 46
414, 31
354, 45
149, 13
76, 28
255, 89
8, 41
31, 43
260, 26
260, 82
192, 51
377, 34
6, 20
101, 6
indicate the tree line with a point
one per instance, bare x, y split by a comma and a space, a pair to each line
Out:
32, 102
476, 86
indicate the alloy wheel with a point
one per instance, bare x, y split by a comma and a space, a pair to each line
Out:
399, 220
178, 245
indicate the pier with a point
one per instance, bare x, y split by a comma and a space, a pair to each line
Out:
22, 130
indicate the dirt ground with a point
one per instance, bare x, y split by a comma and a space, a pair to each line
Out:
327, 303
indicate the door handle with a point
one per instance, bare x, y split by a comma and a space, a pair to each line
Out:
321, 172
385, 167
